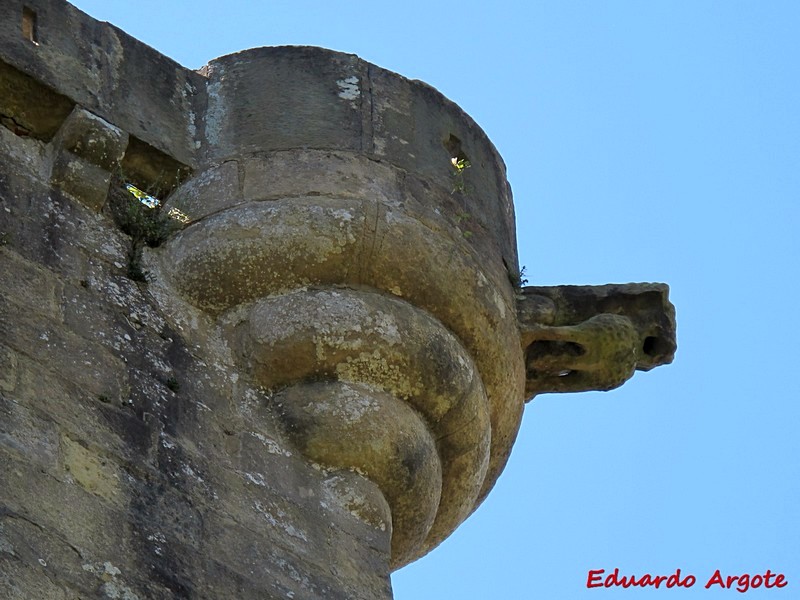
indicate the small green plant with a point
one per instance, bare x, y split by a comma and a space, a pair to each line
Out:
173, 384
140, 215
518, 281
103, 398
460, 165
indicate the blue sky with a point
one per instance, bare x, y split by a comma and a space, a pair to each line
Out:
645, 141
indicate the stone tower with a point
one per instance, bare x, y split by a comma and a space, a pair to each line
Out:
262, 332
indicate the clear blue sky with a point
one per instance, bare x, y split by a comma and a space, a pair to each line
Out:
645, 141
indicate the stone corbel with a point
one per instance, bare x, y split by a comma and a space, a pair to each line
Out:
86, 151
584, 338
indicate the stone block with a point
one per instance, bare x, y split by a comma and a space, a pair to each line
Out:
38, 556
28, 285
24, 155
291, 173
8, 369
31, 436
82, 180
87, 365
66, 509
92, 470
42, 224
245, 551
213, 190
117, 430
87, 149
92, 139
23, 580
284, 97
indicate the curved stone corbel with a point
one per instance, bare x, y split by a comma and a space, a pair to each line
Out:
583, 338
367, 381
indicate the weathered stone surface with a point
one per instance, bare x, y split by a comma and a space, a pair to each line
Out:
266, 100
92, 139
106, 71
311, 384
81, 179
85, 364
29, 108
8, 369
215, 189
126, 458
343, 426
264, 248
93, 473
581, 338
318, 104
80, 518
383, 343
87, 149
26, 284
30, 435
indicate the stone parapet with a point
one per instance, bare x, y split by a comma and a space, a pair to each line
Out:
83, 61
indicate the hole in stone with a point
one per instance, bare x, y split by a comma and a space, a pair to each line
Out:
140, 215
143, 197
654, 346
458, 157
29, 108
547, 358
151, 170
549, 348
460, 163
154, 202
29, 25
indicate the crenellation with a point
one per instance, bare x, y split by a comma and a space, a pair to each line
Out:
29, 108
108, 72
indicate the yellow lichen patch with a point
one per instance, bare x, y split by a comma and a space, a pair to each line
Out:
92, 472
374, 368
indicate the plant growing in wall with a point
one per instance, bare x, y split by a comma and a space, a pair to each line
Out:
459, 166
140, 215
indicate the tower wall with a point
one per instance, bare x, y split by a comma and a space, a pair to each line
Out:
262, 332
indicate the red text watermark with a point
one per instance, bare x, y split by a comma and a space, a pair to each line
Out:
599, 578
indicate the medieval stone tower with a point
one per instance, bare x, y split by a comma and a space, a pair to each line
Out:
262, 333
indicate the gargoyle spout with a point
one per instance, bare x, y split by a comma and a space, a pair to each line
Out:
582, 338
